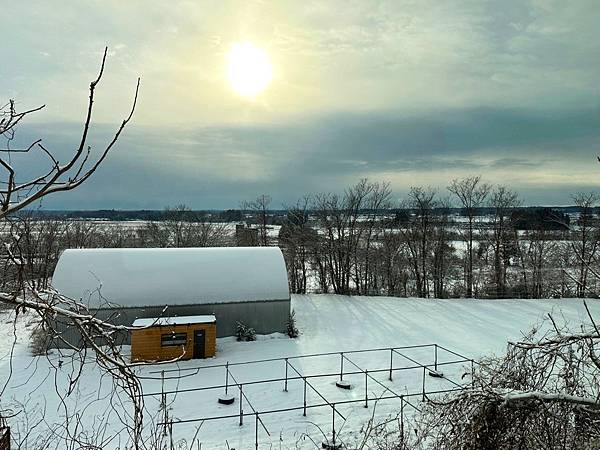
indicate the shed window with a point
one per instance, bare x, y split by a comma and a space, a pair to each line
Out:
173, 339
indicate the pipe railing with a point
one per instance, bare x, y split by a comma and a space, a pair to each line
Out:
197, 369
368, 375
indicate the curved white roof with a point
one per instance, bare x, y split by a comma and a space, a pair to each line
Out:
171, 276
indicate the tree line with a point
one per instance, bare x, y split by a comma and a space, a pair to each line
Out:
495, 248
362, 242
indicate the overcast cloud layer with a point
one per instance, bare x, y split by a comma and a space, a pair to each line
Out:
415, 93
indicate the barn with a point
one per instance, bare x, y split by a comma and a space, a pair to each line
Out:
233, 284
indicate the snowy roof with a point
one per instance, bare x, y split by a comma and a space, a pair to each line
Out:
171, 276
183, 320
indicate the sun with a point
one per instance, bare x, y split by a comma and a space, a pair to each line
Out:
249, 69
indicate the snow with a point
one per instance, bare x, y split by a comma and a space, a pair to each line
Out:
171, 276
14, 333
328, 323
183, 320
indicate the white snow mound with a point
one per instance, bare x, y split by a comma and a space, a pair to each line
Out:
171, 276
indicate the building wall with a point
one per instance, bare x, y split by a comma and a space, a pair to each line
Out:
146, 343
265, 317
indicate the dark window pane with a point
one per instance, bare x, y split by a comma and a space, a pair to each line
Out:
173, 339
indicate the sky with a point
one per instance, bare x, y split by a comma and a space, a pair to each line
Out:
414, 93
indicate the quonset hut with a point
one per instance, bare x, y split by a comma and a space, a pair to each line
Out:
245, 284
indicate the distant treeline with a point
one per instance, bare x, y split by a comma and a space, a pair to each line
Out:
525, 218
475, 240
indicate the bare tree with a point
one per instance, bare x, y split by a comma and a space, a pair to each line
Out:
443, 250
49, 305
154, 235
471, 193
182, 227
259, 207
332, 216
38, 244
503, 202
297, 240
538, 254
348, 225
81, 234
116, 235
585, 240
15, 194
418, 235
178, 223
370, 227
393, 256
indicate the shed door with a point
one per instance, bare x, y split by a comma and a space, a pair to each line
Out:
199, 342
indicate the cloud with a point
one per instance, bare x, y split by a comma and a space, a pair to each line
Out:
328, 57
218, 166
413, 92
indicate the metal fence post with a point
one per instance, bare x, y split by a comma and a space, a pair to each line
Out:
341, 366
163, 402
285, 388
423, 383
366, 389
333, 423
241, 408
256, 433
226, 377
391, 362
436, 358
304, 413
402, 417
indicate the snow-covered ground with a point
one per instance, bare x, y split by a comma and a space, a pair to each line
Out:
328, 323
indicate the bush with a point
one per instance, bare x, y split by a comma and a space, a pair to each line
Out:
542, 394
40, 341
245, 333
290, 326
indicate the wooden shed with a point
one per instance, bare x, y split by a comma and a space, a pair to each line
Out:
165, 338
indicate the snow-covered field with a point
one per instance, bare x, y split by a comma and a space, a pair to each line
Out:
328, 323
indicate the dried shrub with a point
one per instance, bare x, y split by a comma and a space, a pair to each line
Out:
542, 394
290, 326
244, 332
40, 341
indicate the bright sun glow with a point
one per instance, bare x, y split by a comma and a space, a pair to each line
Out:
249, 69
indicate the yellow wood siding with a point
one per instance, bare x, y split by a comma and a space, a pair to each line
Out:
146, 342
